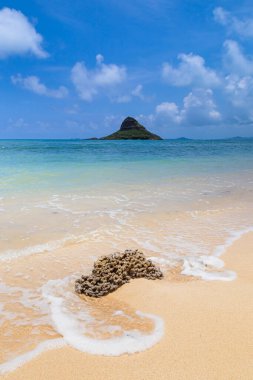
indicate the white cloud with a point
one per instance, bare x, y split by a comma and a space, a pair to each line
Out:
169, 111
18, 35
239, 91
191, 71
137, 92
18, 123
33, 83
238, 83
122, 99
89, 82
242, 27
235, 60
199, 109
99, 58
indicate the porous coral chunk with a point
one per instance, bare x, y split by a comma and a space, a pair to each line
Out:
112, 271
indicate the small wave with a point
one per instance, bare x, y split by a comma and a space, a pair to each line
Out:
146, 244
210, 267
205, 267
235, 235
73, 326
40, 248
32, 312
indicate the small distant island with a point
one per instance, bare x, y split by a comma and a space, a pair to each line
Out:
131, 129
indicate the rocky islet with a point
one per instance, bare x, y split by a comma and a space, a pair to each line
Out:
131, 129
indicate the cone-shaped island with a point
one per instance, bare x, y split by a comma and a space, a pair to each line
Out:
131, 129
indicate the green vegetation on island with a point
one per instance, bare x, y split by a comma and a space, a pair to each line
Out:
131, 129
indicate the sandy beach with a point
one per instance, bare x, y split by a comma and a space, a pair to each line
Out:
208, 331
126, 190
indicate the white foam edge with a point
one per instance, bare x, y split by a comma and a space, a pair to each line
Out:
159, 260
147, 245
72, 332
196, 266
235, 235
38, 249
18, 361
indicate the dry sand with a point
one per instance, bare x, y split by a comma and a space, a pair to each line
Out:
208, 332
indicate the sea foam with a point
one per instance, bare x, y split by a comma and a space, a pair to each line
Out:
13, 254
210, 267
73, 326
206, 267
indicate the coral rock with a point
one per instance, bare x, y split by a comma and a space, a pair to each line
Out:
111, 272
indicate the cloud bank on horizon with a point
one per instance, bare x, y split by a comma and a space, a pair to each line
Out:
77, 70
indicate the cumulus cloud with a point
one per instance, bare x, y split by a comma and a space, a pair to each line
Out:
33, 84
169, 111
239, 91
190, 71
199, 109
234, 85
241, 27
237, 83
89, 82
18, 35
235, 60
137, 92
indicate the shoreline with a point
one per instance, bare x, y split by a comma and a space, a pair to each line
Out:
208, 331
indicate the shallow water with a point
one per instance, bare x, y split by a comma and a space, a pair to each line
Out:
65, 202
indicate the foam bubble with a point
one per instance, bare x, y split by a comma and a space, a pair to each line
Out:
205, 266
29, 299
73, 326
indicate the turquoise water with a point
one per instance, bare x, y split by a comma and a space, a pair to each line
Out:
33, 164
119, 181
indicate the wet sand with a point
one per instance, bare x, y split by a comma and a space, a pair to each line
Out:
208, 331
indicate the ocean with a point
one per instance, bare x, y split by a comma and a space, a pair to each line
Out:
63, 203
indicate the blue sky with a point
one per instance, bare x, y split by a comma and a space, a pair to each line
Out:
76, 69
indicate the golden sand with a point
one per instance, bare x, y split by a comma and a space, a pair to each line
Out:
208, 331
